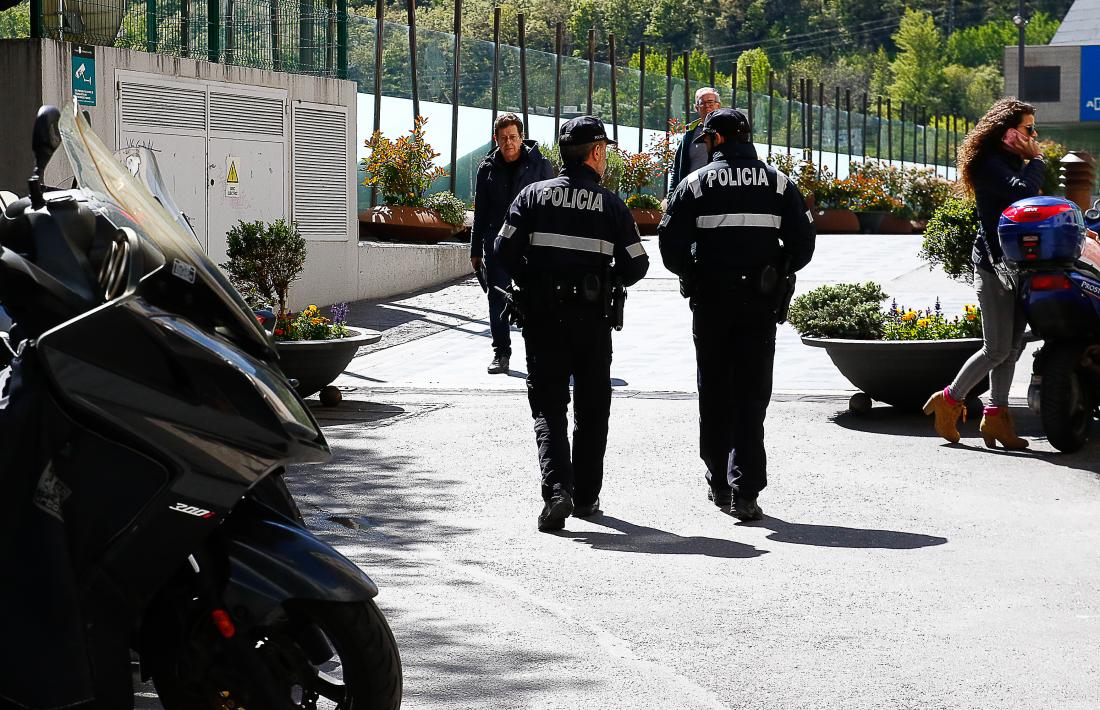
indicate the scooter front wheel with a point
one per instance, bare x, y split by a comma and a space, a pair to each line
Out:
319, 655
1065, 403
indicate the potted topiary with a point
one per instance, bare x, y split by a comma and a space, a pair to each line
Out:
639, 172
403, 170
263, 261
896, 355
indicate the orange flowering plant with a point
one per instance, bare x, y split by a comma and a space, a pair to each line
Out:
402, 169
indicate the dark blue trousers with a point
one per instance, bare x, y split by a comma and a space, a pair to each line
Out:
557, 349
734, 351
498, 324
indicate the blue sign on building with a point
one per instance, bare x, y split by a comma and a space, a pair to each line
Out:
84, 74
1090, 83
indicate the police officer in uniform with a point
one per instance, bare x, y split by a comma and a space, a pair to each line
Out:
571, 246
735, 231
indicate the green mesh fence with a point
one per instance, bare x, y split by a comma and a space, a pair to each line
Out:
300, 36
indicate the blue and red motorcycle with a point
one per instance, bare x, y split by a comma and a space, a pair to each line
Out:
1052, 253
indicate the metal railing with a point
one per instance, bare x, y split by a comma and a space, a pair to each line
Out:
299, 36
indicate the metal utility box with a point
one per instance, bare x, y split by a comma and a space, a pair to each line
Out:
221, 147
233, 143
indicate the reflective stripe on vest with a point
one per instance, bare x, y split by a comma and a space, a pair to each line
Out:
566, 241
713, 221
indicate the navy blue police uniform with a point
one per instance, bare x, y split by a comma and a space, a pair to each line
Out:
732, 232
565, 242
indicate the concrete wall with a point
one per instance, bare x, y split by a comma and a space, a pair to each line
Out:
37, 72
387, 269
1068, 110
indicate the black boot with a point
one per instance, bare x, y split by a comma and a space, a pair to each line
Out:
554, 513
745, 509
499, 365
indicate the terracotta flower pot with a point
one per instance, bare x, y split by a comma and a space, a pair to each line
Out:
892, 224
902, 373
417, 224
315, 363
836, 222
647, 220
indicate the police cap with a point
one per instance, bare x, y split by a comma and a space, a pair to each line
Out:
583, 129
730, 123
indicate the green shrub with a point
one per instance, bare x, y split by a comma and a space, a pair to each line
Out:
1053, 153
612, 178
949, 238
643, 202
264, 259
450, 208
840, 311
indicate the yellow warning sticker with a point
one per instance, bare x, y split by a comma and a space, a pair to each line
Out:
232, 180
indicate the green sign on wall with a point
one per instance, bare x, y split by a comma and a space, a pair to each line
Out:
84, 74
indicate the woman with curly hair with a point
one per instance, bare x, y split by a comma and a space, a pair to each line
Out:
999, 162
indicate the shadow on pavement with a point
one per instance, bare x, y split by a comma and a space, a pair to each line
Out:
496, 670
892, 422
391, 493
900, 422
354, 412
854, 538
651, 541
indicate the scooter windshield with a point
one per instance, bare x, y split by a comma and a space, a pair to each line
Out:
129, 204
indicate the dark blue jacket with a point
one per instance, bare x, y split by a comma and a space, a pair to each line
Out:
497, 186
568, 226
1000, 178
681, 164
732, 217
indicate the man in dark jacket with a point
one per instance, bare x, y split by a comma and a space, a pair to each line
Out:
734, 231
571, 245
513, 164
692, 155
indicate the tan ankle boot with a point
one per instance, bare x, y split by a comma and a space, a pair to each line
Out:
946, 416
999, 427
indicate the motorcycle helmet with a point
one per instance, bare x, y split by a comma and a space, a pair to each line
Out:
1039, 229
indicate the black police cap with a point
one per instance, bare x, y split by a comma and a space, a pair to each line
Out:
729, 122
583, 129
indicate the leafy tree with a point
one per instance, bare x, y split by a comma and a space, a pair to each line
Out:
761, 67
918, 68
674, 23
16, 22
882, 72
984, 44
972, 90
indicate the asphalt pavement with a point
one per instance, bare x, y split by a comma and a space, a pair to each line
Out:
891, 571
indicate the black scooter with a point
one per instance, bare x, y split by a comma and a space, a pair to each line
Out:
144, 426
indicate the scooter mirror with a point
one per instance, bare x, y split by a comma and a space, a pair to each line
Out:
46, 138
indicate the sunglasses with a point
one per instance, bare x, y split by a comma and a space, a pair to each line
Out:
1031, 130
